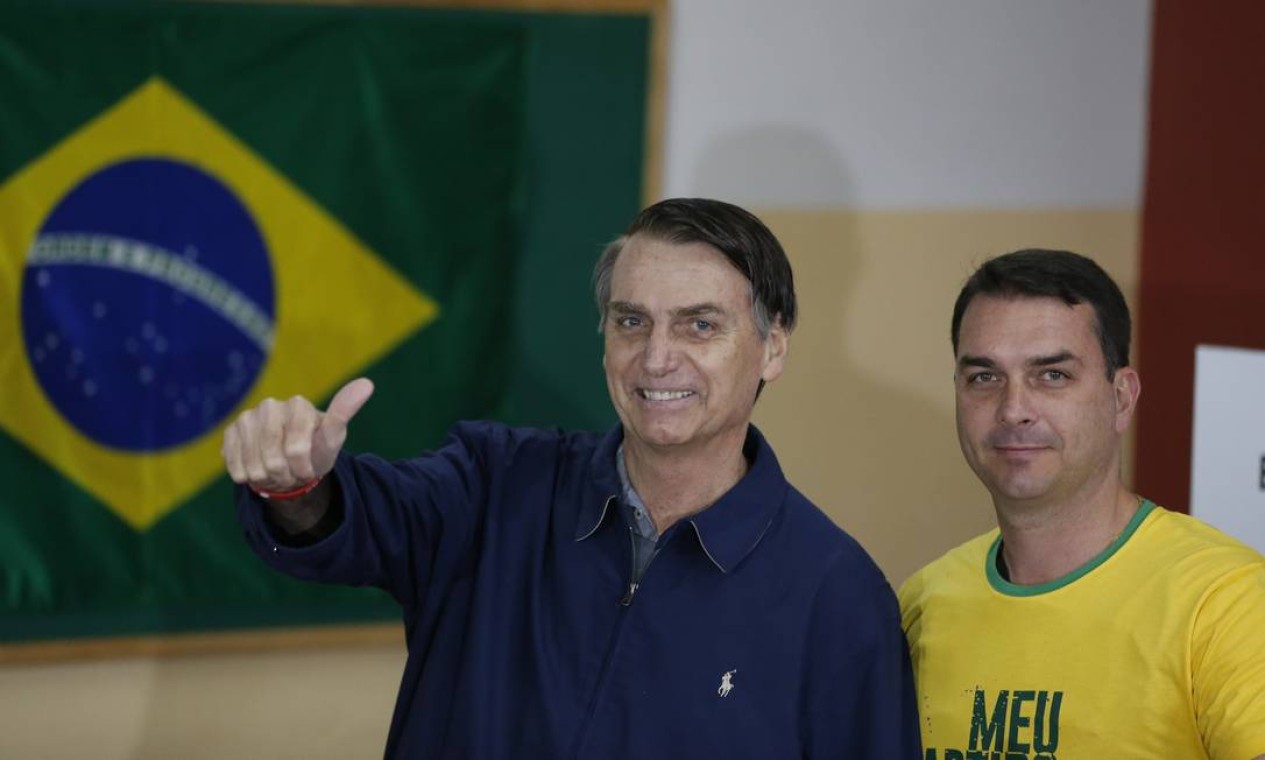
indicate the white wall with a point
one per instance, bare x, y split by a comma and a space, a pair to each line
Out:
908, 103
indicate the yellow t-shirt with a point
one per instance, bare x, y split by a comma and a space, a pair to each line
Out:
1154, 649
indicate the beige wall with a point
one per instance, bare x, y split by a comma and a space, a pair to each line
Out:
314, 703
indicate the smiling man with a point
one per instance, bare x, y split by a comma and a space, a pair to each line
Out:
1091, 623
659, 591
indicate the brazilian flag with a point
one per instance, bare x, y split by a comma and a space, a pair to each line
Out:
205, 205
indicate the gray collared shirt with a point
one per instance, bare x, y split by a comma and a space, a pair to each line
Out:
644, 535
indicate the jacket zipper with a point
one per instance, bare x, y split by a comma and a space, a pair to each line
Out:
632, 569
617, 635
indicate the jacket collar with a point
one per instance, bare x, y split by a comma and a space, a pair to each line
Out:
603, 493
728, 530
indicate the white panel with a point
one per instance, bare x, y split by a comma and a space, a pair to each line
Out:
1227, 483
908, 103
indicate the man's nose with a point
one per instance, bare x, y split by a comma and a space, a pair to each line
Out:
1016, 406
660, 355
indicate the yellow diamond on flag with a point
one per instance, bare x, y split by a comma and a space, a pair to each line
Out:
333, 306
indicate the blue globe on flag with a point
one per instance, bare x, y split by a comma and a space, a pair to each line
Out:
148, 304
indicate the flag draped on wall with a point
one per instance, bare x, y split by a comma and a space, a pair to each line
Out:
201, 206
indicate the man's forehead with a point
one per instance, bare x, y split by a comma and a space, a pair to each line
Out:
668, 264
989, 309
643, 242
1026, 326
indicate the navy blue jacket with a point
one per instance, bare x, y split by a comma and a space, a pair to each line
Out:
760, 630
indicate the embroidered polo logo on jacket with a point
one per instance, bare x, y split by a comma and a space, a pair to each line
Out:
726, 683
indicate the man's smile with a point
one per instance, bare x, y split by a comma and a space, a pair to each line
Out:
650, 394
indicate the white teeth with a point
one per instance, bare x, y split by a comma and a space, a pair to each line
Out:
665, 395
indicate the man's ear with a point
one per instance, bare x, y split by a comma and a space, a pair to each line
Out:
776, 347
1127, 387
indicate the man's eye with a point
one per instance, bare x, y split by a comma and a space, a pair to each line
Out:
977, 378
702, 325
628, 321
1054, 374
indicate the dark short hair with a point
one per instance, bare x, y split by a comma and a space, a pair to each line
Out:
1070, 277
735, 232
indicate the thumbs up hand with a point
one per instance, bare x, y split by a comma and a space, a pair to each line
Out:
281, 445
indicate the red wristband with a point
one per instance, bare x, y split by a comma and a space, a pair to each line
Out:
293, 493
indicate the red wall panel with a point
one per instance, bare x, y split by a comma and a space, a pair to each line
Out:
1203, 226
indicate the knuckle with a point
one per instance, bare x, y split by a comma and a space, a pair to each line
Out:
276, 464
298, 407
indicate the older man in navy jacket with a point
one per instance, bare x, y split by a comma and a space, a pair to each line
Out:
660, 591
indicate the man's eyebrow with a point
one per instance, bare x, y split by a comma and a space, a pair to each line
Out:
697, 310
1059, 358
624, 307
968, 360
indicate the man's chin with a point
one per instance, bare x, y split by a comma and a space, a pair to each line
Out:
661, 437
1021, 492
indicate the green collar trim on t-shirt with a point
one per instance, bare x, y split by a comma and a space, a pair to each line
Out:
1013, 589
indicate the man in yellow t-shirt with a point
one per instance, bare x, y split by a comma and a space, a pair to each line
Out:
1091, 624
